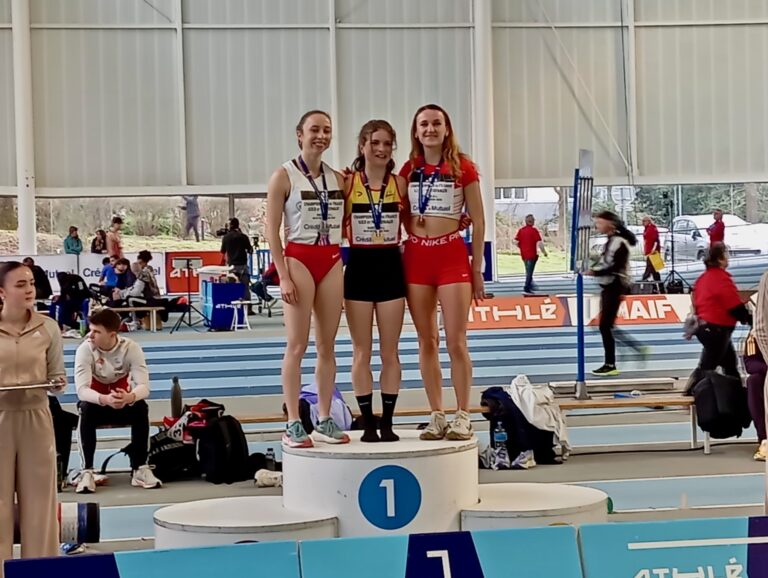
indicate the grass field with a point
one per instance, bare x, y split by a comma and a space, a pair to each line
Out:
512, 264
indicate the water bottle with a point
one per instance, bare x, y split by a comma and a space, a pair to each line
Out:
270, 459
83, 330
500, 454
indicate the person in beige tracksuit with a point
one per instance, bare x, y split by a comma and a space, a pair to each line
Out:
30, 353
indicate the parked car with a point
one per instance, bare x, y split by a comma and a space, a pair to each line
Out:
692, 241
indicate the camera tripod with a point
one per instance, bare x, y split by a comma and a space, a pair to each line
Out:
673, 280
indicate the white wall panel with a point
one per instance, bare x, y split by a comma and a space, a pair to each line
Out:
7, 129
563, 11
268, 12
403, 11
703, 100
700, 10
246, 90
101, 11
390, 73
105, 107
5, 11
543, 115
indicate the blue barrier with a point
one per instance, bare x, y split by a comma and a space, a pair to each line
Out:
262, 560
710, 548
484, 554
702, 548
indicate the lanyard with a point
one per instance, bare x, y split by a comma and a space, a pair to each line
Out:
424, 197
322, 196
376, 212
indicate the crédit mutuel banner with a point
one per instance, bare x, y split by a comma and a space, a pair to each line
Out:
516, 312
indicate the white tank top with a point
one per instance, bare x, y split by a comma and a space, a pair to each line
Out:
301, 215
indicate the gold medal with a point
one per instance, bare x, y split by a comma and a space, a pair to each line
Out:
377, 238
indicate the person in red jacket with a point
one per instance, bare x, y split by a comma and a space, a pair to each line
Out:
650, 245
718, 307
717, 229
529, 241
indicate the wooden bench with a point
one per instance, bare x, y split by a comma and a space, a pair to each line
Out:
153, 314
653, 402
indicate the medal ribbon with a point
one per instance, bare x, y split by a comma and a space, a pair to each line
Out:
425, 197
376, 208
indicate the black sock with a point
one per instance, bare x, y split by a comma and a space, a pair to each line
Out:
388, 401
365, 403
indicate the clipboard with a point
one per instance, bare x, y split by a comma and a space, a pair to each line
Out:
32, 386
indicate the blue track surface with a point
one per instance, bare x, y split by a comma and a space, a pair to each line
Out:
252, 366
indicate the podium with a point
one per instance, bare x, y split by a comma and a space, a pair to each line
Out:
360, 489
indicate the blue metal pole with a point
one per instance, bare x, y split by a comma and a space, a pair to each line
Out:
580, 360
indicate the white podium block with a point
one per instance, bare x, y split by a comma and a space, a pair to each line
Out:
231, 520
405, 487
523, 505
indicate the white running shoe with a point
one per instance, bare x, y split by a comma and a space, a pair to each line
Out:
145, 478
460, 428
87, 483
762, 452
525, 461
436, 428
268, 479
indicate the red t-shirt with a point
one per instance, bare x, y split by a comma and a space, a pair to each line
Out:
528, 238
714, 295
716, 232
650, 238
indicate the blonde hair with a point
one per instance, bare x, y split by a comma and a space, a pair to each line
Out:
451, 152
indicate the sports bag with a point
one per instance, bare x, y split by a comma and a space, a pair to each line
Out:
222, 451
721, 405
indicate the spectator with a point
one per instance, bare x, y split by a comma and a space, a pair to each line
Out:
114, 242
650, 245
235, 246
761, 320
112, 382
73, 245
192, 208
717, 229
754, 363
99, 243
42, 284
145, 287
718, 307
69, 304
125, 277
108, 278
529, 240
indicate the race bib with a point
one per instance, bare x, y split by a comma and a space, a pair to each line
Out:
364, 231
312, 219
440, 201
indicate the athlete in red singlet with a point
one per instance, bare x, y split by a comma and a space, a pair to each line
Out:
441, 182
306, 196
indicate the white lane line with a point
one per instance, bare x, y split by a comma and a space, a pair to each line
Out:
696, 543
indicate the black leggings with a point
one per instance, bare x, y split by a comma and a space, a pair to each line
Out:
717, 352
610, 300
136, 416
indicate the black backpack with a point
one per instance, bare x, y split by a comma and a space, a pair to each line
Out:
222, 451
721, 405
170, 459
